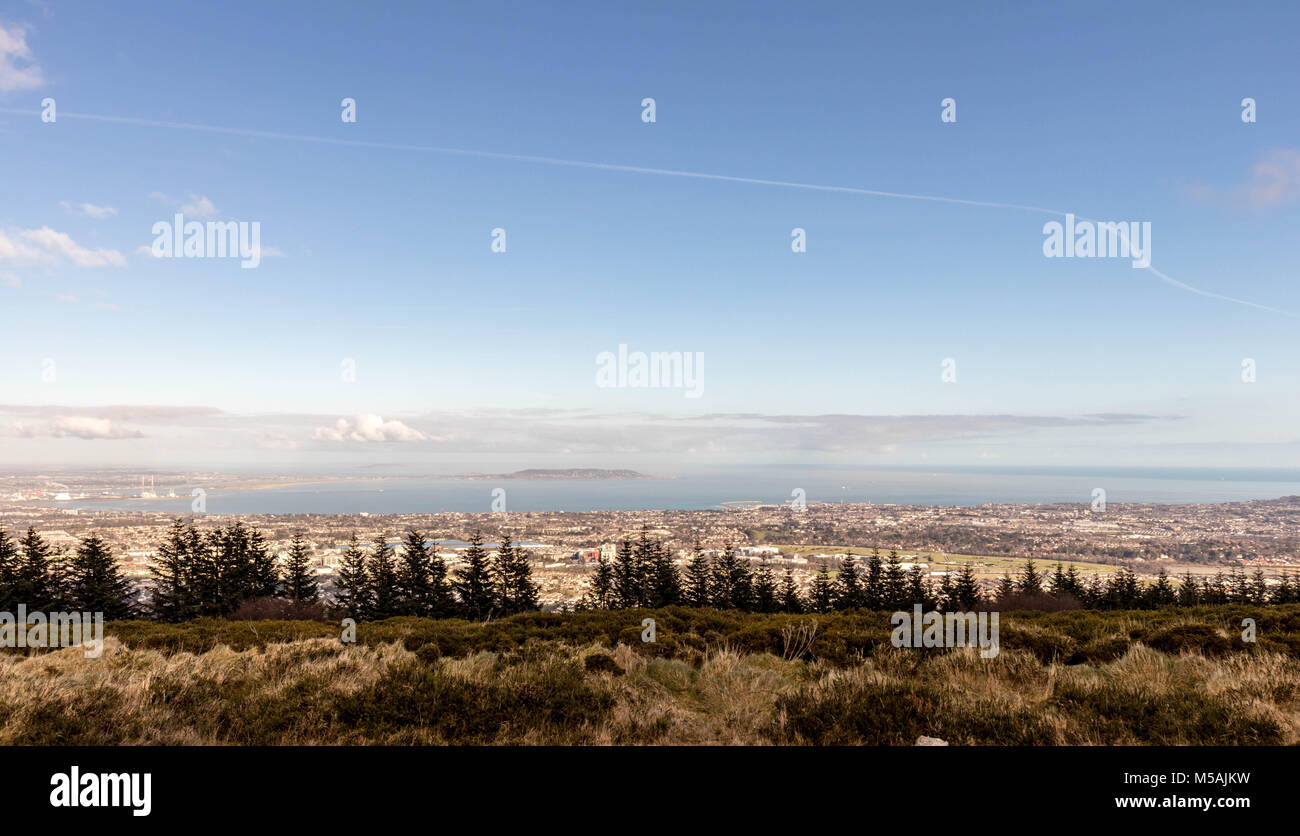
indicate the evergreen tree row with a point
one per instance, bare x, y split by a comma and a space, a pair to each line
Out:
197, 575
643, 575
87, 580
379, 582
209, 575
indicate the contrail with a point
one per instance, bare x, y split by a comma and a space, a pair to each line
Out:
631, 169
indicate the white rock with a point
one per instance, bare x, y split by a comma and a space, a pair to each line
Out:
930, 741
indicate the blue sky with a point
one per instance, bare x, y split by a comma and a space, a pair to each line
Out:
470, 358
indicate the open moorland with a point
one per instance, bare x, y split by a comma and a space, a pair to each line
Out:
1168, 676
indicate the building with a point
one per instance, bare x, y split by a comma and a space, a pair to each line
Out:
586, 556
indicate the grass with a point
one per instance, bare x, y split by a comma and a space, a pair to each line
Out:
1168, 677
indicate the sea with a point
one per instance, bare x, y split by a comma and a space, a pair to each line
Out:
730, 487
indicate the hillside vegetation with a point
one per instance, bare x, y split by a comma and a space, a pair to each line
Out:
1174, 676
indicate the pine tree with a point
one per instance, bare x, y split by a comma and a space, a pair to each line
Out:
1094, 593
1189, 592
732, 582
1031, 582
473, 582
1258, 588
1217, 589
96, 583
1131, 590
261, 576
790, 600
848, 589
699, 578
626, 590
499, 568
1239, 589
413, 587
299, 580
664, 585
968, 589
385, 601
174, 597
724, 570
1073, 583
765, 592
1123, 591
601, 595
1006, 588
516, 591
9, 562
227, 575
643, 571
442, 599
39, 575
1282, 593
215, 575
822, 597
873, 585
895, 592
948, 593
353, 582
1059, 583
918, 590
1162, 592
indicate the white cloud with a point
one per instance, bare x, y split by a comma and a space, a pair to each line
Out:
48, 246
199, 207
10, 280
88, 210
73, 426
18, 70
367, 427
18, 250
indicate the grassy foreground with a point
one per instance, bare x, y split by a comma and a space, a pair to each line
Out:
1149, 677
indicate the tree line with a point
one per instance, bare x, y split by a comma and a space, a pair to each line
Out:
88, 580
642, 574
382, 582
212, 574
197, 575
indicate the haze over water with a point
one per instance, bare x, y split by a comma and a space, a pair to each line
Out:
968, 487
